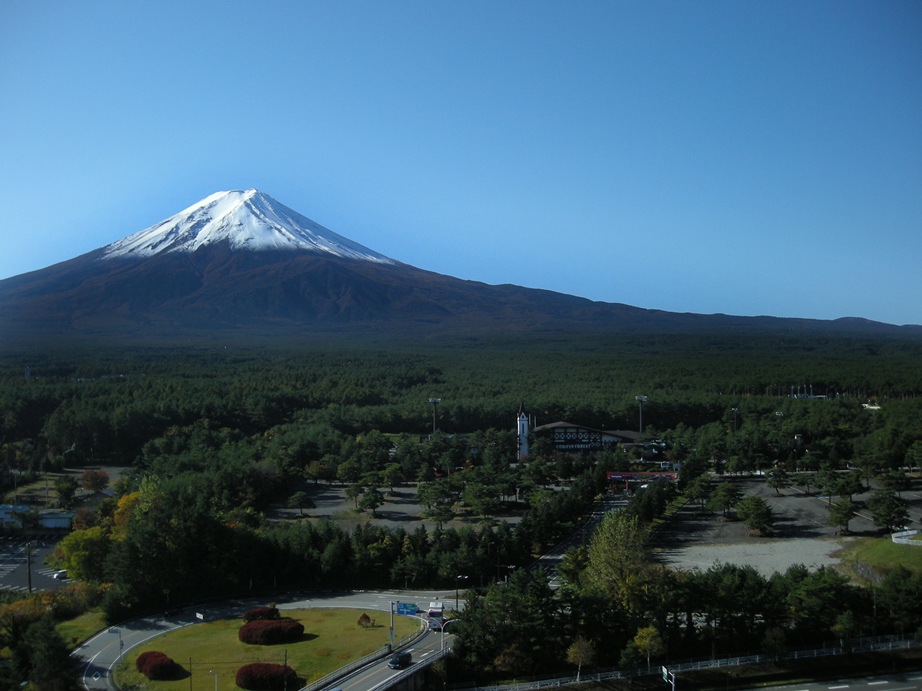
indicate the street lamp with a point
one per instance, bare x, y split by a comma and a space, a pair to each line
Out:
735, 411
640, 401
120, 644
444, 626
457, 583
435, 402
211, 671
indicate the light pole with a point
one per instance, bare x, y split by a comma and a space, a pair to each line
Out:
120, 644
435, 402
735, 411
457, 583
211, 671
391, 633
640, 401
444, 626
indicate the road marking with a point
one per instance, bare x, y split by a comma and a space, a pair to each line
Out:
383, 682
832, 688
877, 683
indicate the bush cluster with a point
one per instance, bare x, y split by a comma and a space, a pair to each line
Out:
157, 666
263, 676
270, 632
260, 613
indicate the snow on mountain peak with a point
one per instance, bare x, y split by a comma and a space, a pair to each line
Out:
245, 219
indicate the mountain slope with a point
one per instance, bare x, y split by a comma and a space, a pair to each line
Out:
241, 264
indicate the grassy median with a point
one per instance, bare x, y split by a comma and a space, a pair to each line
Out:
332, 638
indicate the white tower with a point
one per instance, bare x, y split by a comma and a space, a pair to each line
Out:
523, 432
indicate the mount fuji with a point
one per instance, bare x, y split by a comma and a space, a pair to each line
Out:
241, 265
247, 220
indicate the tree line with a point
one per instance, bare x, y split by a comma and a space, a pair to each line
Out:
618, 608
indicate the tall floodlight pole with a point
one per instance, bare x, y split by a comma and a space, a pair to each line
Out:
435, 402
640, 401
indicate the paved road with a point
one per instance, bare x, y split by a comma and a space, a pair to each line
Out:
911, 681
554, 556
371, 677
99, 655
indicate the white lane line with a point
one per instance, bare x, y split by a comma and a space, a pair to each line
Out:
383, 682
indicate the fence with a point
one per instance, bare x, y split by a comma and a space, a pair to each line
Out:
906, 537
859, 645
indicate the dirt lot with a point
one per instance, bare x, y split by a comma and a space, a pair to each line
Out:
698, 538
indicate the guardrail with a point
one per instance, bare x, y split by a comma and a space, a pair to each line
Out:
906, 537
412, 670
348, 669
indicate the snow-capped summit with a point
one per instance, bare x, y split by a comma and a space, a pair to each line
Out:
247, 220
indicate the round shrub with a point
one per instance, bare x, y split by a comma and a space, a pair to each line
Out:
270, 632
260, 613
157, 666
263, 676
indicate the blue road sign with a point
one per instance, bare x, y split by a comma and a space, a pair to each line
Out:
408, 608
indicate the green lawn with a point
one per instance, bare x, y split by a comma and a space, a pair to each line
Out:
883, 554
332, 638
74, 631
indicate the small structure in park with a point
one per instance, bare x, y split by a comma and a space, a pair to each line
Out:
570, 436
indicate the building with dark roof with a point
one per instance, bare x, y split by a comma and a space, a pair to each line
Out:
568, 436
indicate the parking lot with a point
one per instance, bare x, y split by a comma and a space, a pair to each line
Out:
14, 559
698, 538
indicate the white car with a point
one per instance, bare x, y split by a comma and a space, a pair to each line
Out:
60, 576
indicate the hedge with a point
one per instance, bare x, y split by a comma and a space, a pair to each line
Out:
157, 666
270, 632
263, 676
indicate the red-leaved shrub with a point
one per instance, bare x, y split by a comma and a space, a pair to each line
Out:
270, 632
263, 676
157, 666
260, 613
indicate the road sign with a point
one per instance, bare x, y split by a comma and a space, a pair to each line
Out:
406, 608
665, 674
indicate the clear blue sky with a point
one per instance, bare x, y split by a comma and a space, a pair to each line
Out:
740, 157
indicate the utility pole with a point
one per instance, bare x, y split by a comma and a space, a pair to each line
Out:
435, 402
392, 625
640, 401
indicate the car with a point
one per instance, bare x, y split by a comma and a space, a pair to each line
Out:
400, 660
60, 576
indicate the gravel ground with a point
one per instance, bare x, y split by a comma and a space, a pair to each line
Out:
765, 555
697, 538
694, 538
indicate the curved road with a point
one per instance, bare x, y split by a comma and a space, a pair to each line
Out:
99, 655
